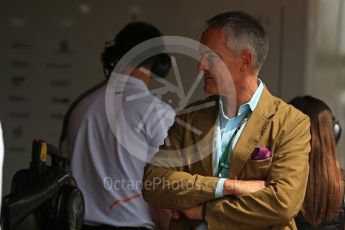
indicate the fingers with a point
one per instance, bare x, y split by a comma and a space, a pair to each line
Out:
175, 215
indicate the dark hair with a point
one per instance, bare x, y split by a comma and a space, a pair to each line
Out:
130, 36
325, 189
243, 32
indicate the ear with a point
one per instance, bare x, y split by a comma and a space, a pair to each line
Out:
247, 59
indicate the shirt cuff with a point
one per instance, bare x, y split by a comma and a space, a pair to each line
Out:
219, 188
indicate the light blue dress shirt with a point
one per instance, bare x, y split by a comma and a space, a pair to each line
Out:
225, 129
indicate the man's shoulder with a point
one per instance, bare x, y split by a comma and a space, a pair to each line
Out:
202, 105
210, 99
200, 108
200, 113
148, 104
290, 110
288, 113
88, 101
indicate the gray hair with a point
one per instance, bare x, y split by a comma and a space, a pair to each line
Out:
243, 32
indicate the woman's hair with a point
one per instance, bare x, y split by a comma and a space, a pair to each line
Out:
325, 189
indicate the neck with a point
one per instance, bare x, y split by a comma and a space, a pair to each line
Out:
245, 90
141, 74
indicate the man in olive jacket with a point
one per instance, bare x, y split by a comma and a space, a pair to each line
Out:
216, 158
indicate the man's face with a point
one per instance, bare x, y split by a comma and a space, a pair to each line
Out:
220, 69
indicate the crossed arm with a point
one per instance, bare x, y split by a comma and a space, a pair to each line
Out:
231, 188
275, 204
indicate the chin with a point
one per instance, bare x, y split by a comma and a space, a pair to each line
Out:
210, 90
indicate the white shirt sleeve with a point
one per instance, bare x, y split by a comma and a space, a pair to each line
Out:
161, 121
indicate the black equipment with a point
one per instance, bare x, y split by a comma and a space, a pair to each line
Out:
47, 191
336, 130
112, 55
130, 36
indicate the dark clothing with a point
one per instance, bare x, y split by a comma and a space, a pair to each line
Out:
338, 223
107, 227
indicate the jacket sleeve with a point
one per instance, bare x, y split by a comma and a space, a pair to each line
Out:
166, 182
281, 200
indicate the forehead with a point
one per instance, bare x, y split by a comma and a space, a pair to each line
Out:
214, 38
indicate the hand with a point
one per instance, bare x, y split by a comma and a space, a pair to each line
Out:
175, 215
161, 217
194, 213
240, 187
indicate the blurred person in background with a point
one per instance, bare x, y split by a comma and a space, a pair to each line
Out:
323, 206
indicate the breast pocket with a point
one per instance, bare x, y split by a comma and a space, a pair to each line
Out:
256, 169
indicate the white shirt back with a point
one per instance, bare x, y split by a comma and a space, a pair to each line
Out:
107, 171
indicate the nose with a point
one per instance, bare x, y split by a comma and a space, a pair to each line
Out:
202, 66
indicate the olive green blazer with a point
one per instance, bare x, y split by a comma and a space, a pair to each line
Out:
181, 176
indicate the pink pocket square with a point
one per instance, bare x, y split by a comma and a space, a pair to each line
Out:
260, 153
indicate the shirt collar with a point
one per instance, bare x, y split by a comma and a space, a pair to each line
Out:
123, 80
256, 97
253, 102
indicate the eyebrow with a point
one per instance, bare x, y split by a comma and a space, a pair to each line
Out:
210, 52
207, 51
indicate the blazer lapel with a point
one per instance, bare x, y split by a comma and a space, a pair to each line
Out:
252, 133
205, 122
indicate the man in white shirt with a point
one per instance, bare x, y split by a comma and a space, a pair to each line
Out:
108, 172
